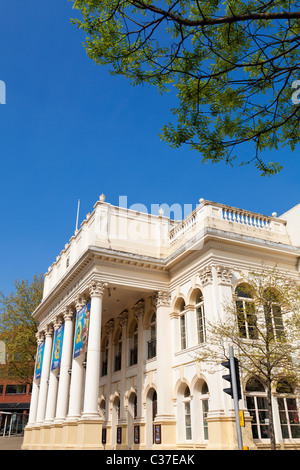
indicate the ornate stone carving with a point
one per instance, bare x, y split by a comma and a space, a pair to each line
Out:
123, 318
162, 299
109, 327
206, 276
80, 301
68, 314
97, 288
139, 308
48, 330
224, 275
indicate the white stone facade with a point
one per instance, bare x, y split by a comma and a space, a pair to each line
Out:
152, 284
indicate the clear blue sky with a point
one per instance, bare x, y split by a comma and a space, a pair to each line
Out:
69, 131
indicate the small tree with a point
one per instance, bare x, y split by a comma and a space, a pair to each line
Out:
18, 328
262, 323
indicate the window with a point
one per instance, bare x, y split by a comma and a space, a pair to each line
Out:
273, 314
204, 401
187, 414
105, 359
152, 342
183, 340
15, 389
118, 354
288, 412
246, 315
134, 349
200, 317
257, 407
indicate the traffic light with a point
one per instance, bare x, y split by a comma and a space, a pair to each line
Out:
233, 375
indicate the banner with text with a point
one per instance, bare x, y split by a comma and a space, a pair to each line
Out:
57, 347
39, 360
81, 329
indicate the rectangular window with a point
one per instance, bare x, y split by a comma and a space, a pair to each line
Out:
201, 324
151, 348
188, 423
15, 389
182, 332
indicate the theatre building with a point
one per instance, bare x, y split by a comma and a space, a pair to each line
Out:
123, 314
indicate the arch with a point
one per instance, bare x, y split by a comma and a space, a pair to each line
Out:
147, 317
179, 386
116, 334
132, 326
254, 384
178, 303
197, 384
104, 342
194, 295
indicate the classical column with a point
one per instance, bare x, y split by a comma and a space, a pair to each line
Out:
165, 414
65, 366
53, 385
41, 409
90, 408
35, 389
75, 401
123, 321
139, 312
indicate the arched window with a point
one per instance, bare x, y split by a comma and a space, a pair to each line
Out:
288, 411
134, 348
187, 413
105, 358
118, 352
273, 314
183, 339
257, 406
245, 308
152, 341
199, 304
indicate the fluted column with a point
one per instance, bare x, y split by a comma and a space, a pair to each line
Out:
53, 385
75, 402
41, 409
35, 389
65, 366
90, 408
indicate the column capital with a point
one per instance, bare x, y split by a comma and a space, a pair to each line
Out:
162, 299
58, 322
49, 330
40, 336
68, 314
80, 301
224, 275
97, 288
206, 276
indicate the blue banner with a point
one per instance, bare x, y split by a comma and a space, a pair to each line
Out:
81, 329
39, 360
57, 347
